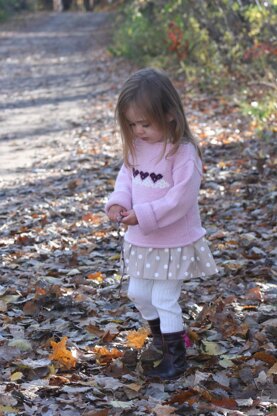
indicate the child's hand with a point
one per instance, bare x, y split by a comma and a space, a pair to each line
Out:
115, 212
129, 217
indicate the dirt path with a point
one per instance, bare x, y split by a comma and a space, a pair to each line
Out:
52, 66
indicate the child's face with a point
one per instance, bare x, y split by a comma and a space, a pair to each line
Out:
142, 128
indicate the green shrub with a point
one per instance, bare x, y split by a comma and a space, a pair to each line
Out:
136, 37
262, 111
7, 7
203, 39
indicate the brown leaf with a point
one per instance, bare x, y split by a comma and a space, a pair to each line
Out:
31, 308
95, 330
181, 396
104, 356
254, 294
103, 412
164, 410
58, 380
225, 402
109, 336
264, 356
94, 218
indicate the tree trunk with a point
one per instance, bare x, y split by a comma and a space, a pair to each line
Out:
57, 5
89, 4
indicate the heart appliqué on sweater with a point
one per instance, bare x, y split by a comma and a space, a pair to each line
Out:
143, 175
154, 177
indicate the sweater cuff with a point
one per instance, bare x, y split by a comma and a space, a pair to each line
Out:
119, 198
146, 218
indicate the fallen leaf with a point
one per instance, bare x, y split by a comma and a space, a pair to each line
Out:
61, 354
98, 276
136, 339
163, 410
105, 356
264, 356
90, 217
16, 376
212, 348
254, 294
103, 412
273, 369
21, 344
181, 396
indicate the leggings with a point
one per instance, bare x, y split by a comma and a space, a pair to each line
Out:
158, 299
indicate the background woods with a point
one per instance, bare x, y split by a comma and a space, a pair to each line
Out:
214, 44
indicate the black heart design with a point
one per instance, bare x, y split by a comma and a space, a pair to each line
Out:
155, 177
135, 172
143, 175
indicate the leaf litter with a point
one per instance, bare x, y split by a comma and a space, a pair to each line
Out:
70, 338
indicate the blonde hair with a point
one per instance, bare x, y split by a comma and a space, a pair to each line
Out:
152, 93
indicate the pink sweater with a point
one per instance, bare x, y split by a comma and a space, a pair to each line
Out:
163, 193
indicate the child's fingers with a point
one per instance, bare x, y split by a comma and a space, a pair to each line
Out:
125, 220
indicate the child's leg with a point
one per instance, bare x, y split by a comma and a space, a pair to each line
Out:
140, 292
165, 297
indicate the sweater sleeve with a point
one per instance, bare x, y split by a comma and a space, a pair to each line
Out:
122, 194
175, 204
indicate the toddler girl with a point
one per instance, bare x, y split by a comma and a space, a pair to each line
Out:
156, 194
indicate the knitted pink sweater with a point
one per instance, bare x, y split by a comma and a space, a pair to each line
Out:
163, 193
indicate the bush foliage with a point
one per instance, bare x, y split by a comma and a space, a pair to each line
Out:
202, 37
215, 44
9, 6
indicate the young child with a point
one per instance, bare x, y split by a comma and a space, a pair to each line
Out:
156, 194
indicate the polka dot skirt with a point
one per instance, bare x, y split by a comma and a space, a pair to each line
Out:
181, 263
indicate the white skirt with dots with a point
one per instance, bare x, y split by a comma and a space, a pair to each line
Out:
181, 263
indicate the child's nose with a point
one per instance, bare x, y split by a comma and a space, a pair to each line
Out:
138, 130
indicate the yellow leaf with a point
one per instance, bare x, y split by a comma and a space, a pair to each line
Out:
136, 339
16, 376
273, 369
115, 257
61, 354
7, 409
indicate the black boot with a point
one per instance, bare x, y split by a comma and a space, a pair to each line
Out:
173, 363
154, 351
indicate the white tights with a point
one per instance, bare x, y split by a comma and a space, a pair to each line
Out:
158, 299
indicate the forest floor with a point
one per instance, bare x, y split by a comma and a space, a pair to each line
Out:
70, 338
